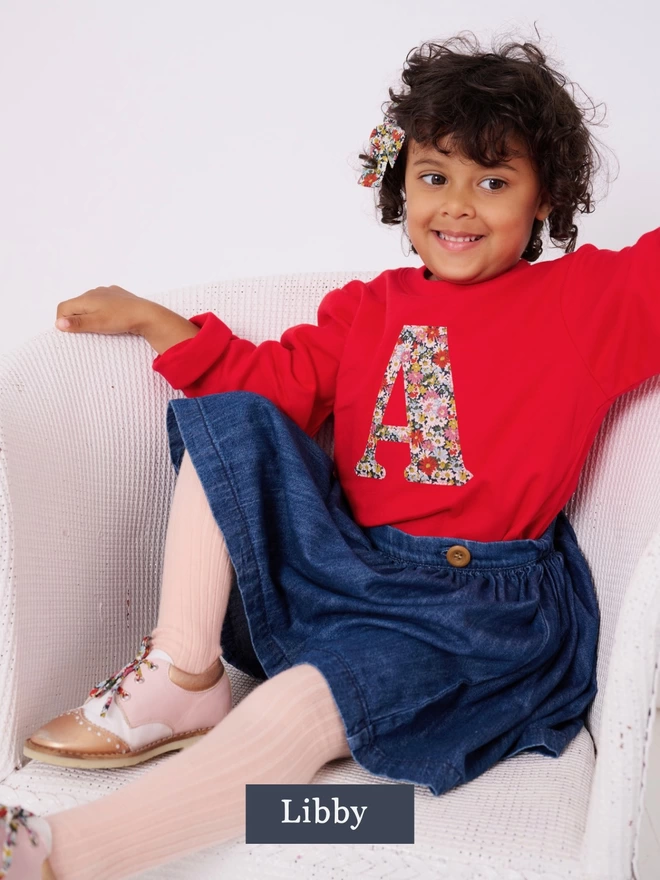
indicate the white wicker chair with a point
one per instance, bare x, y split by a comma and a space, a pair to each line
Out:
85, 489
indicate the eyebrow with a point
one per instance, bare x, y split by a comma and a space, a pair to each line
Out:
434, 161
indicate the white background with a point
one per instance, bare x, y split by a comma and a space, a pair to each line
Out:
156, 144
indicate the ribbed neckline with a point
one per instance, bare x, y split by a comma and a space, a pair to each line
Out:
414, 281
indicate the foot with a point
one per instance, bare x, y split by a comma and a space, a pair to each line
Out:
123, 722
26, 843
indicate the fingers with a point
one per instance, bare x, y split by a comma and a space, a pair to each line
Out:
71, 312
69, 315
71, 307
101, 310
73, 322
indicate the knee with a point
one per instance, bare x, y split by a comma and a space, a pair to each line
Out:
250, 400
324, 714
302, 696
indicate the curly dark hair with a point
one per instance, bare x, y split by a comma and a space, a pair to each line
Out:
481, 99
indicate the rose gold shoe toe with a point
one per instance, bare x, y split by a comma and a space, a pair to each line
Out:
74, 736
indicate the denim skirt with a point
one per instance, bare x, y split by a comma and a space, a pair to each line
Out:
437, 671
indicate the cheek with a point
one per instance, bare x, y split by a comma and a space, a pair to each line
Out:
513, 219
422, 212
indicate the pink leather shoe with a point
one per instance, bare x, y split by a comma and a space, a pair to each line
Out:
26, 842
143, 715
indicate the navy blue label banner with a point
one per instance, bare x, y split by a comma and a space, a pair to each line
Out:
317, 813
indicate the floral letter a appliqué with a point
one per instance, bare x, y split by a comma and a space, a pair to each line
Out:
432, 431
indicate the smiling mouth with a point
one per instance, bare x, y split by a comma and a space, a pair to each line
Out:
457, 246
445, 236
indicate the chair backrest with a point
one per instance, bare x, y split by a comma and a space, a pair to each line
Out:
615, 508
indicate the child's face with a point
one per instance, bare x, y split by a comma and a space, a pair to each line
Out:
452, 194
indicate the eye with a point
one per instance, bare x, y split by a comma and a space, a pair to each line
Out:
431, 175
488, 180
495, 180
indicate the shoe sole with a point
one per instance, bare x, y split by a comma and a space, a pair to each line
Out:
55, 756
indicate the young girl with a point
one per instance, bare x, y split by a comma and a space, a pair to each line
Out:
425, 608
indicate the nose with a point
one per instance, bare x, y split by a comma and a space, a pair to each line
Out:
456, 202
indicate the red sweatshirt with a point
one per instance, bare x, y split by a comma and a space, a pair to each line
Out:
462, 411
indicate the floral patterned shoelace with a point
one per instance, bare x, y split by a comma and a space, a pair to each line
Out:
12, 817
113, 684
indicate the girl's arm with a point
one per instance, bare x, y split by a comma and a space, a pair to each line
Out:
298, 372
163, 328
610, 305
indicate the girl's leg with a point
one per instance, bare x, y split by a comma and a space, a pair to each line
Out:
197, 578
282, 732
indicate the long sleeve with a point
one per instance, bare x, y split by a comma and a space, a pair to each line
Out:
610, 303
298, 373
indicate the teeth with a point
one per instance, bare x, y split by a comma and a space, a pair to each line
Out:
450, 238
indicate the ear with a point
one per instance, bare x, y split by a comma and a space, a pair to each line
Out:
544, 208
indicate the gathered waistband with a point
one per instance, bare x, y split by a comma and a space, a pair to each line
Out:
430, 550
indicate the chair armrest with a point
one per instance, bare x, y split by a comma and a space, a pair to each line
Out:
85, 488
628, 715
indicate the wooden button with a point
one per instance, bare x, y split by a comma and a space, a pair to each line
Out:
458, 555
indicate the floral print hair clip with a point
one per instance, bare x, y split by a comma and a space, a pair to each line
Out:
385, 143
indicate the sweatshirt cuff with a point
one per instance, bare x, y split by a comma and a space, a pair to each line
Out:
184, 362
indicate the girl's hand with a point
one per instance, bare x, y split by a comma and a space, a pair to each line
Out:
102, 310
